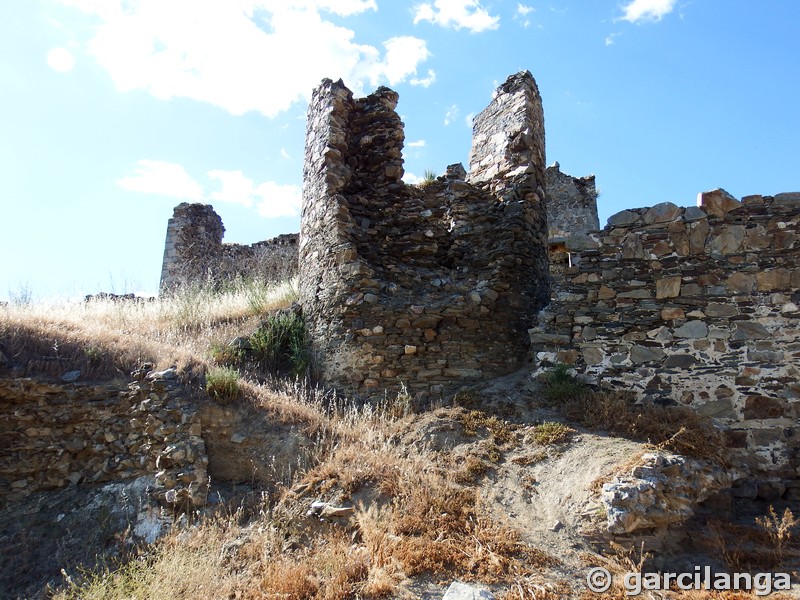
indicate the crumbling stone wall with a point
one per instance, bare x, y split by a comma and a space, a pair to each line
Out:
194, 252
55, 435
571, 204
424, 286
693, 305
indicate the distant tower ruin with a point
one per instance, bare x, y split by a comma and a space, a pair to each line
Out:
430, 286
194, 253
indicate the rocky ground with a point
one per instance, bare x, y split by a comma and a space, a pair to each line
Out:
575, 498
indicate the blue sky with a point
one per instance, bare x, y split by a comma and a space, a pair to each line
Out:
114, 111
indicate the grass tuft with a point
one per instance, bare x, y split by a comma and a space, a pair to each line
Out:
222, 384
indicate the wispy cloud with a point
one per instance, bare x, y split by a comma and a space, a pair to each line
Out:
162, 178
521, 15
225, 53
468, 119
269, 198
417, 144
284, 153
61, 60
611, 37
426, 81
647, 10
451, 114
276, 200
458, 14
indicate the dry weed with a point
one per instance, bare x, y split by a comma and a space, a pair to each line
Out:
108, 338
476, 421
674, 428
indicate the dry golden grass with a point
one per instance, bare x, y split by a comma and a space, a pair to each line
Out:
105, 337
476, 422
675, 428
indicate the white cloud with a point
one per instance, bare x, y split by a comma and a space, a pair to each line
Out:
451, 114
523, 10
241, 55
269, 198
236, 188
61, 60
468, 119
425, 82
284, 153
277, 200
610, 38
403, 54
411, 179
459, 14
647, 10
163, 178
417, 144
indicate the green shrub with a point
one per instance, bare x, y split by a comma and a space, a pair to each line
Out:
222, 384
280, 345
561, 386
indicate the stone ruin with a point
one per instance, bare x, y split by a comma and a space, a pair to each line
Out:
436, 285
426, 286
698, 306
195, 254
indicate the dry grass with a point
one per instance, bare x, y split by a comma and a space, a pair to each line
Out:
765, 545
477, 422
675, 428
551, 432
103, 337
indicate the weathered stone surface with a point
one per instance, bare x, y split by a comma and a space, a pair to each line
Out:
774, 279
741, 283
80, 433
462, 591
668, 287
693, 213
194, 252
571, 208
680, 361
718, 202
660, 213
729, 241
786, 198
692, 330
643, 354
717, 309
763, 407
669, 314
747, 330
718, 409
664, 489
454, 271
622, 218
592, 356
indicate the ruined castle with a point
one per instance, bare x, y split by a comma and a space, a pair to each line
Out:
504, 265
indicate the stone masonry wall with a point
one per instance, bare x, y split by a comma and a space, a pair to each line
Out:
571, 204
693, 305
424, 286
194, 252
55, 435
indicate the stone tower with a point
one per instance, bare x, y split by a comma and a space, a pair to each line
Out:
428, 286
193, 245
